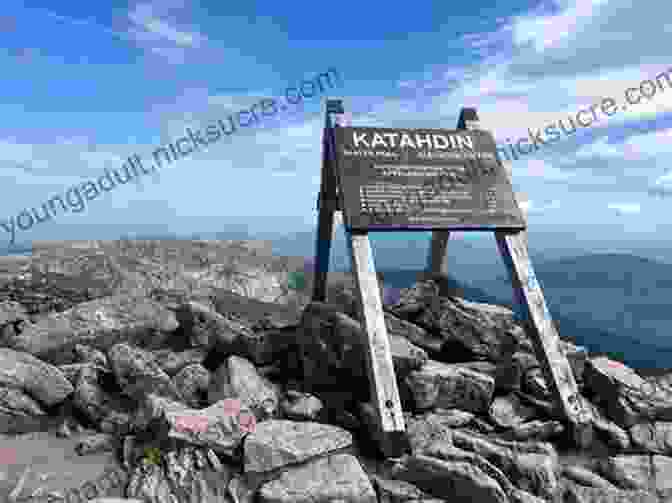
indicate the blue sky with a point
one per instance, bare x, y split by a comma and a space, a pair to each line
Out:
87, 85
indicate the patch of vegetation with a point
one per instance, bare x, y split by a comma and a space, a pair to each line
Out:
152, 455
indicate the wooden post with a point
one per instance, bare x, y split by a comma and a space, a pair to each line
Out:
326, 205
390, 431
544, 335
436, 261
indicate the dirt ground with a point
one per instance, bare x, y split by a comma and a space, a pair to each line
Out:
53, 465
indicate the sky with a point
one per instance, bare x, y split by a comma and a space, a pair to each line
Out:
86, 85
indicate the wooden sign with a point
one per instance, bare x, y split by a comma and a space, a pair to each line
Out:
418, 179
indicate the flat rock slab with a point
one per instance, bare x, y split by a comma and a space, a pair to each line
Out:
575, 493
56, 466
457, 481
278, 443
100, 323
336, 478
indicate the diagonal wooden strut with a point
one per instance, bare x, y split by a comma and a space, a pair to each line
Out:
380, 369
547, 344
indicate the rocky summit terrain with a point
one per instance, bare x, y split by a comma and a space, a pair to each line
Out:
169, 371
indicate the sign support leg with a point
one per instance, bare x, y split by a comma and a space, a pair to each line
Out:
391, 434
436, 262
325, 227
544, 335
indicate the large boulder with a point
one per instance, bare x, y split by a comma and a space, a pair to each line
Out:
138, 374
238, 378
42, 381
278, 443
458, 481
339, 477
627, 397
216, 427
333, 352
470, 330
100, 323
654, 437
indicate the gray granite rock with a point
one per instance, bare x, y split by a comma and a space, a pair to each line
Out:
193, 382
301, 406
448, 386
238, 378
42, 381
575, 493
100, 323
138, 374
276, 443
457, 481
508, 411
339, 477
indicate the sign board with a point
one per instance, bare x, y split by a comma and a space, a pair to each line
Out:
419, 179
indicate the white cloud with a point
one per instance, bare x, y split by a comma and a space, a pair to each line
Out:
625, 208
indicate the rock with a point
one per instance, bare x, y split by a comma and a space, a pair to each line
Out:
38, 379
99, 442
470, 331
640, 472
535, 384
301, 406
508, 411
214, 427
537, 430
238, 378
276, 443
662, 475
457, 481
149, 483
205, 326
628, 471
100, 323
335, 478
193, 382
450, 386
586, 477
12, 312
91, 355
71, 370
19, 413
138, 374
333, 354
613, 434
654, 437
532, 466
171, 362
240, 491
574, 493
450, 453
115, 500
99, 406
18, 402
429, 429
397, 491
413, 333
627, 397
